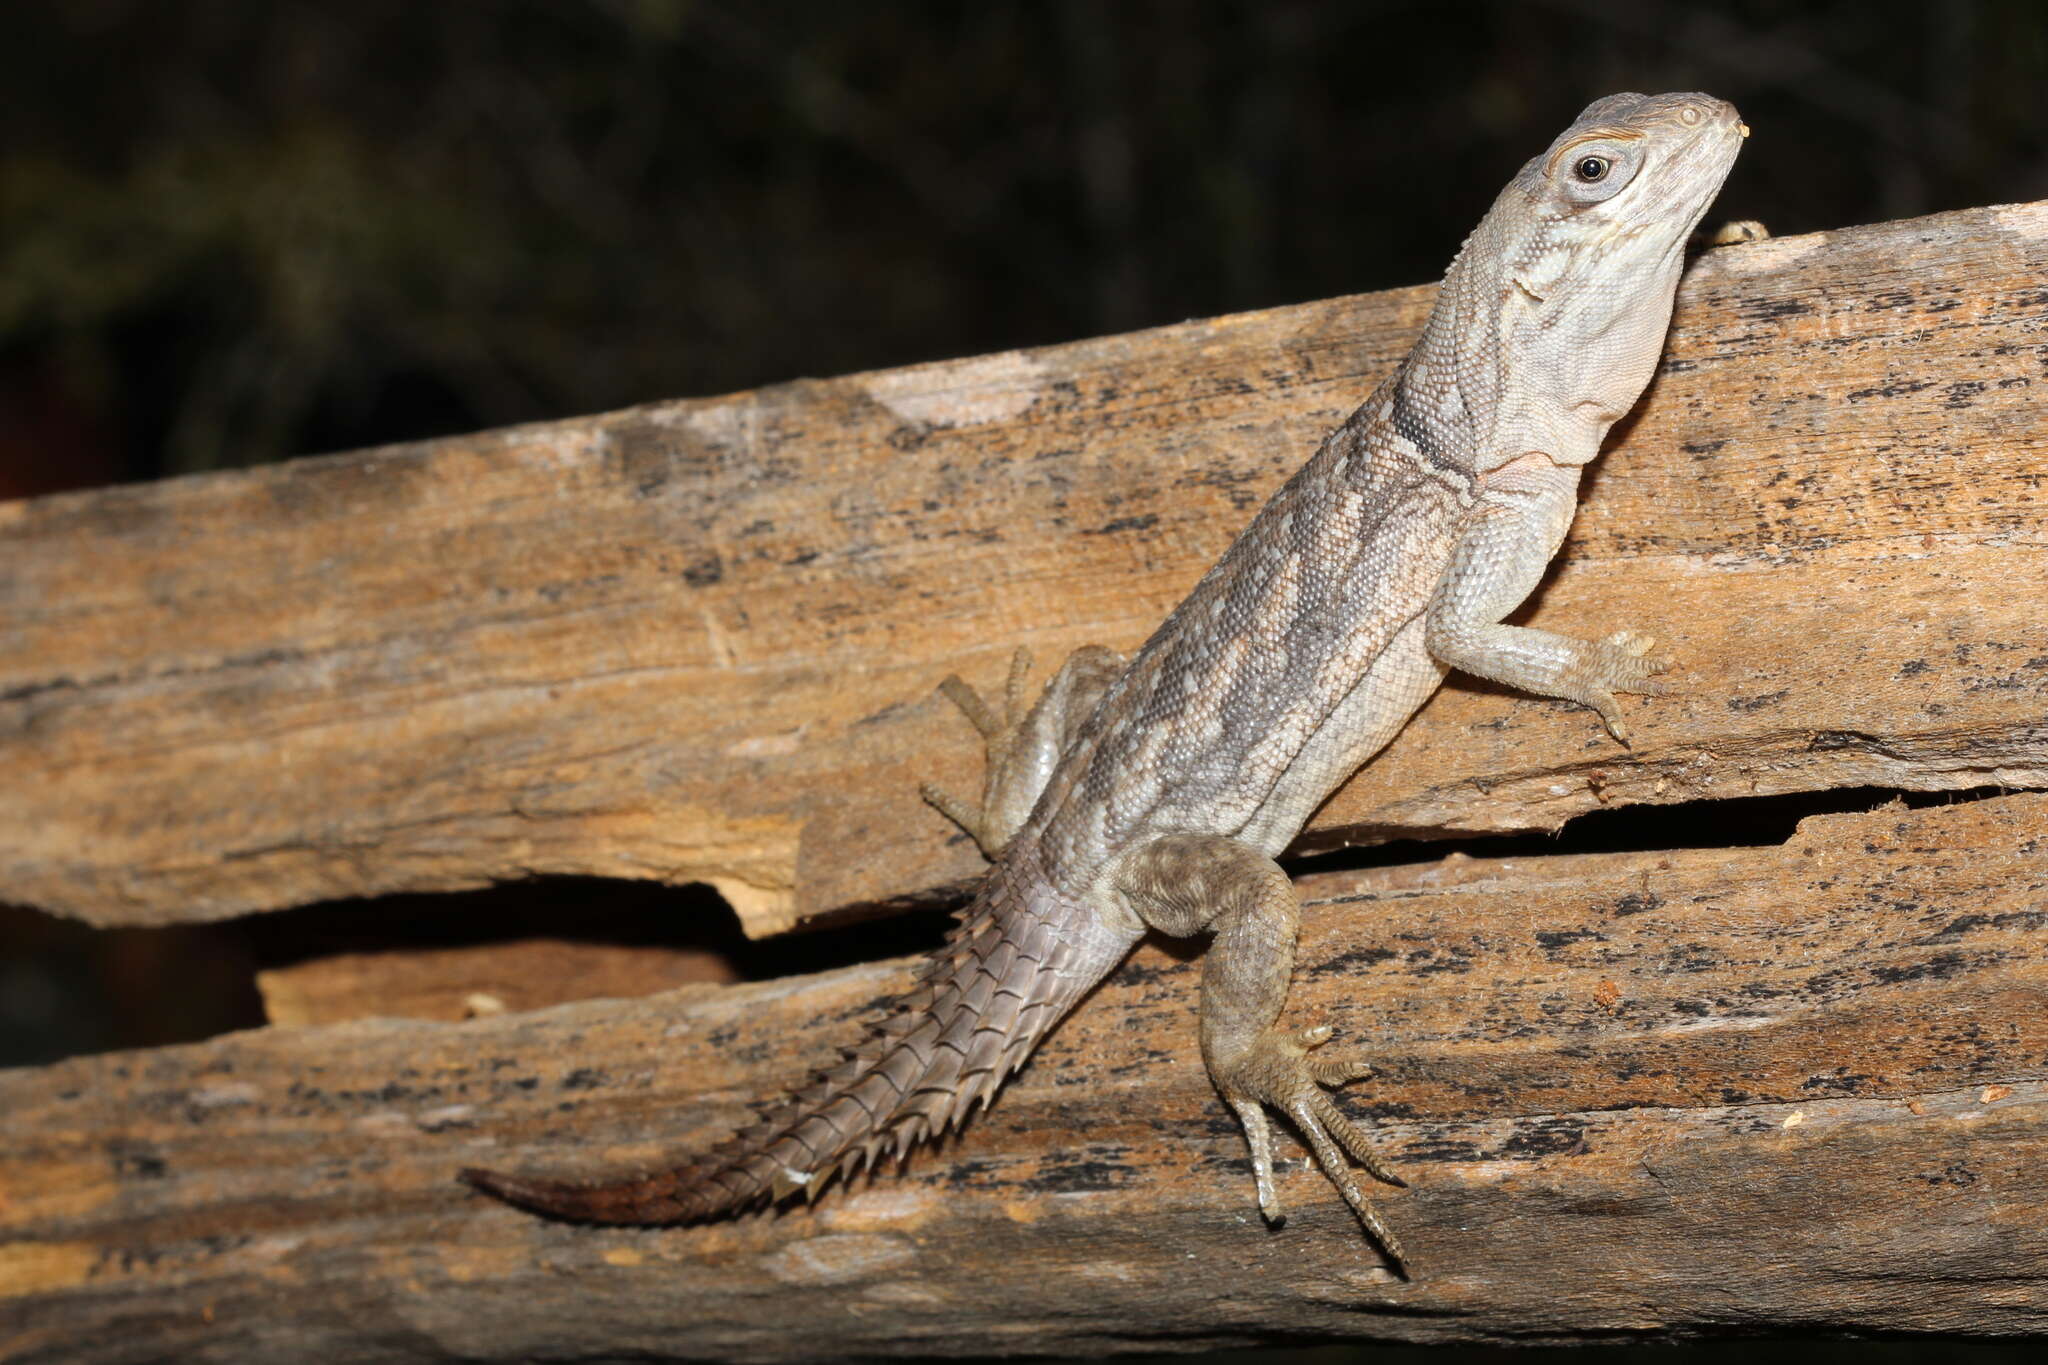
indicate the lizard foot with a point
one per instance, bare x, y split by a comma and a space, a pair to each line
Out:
1021, 744
1277, 1071
998, 737
1737, 231
1622, 662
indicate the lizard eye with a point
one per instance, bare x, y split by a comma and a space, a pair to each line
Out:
1596, 173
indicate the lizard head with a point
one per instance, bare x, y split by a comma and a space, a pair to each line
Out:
1633, 163
1566, 286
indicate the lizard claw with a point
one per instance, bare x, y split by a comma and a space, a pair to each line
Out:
1021, 743
1277, 1072
1622, 662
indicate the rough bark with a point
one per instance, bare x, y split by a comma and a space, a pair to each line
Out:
1792, 1088
697, 640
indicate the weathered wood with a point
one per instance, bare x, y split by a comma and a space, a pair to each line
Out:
697, 640
1799, 1087
463, 982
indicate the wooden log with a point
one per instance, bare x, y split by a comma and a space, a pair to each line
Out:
696, 641
466, 981
1790, 1088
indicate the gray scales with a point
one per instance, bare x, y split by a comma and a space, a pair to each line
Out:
1156, 793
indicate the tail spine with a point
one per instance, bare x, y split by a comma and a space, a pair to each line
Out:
982, 1002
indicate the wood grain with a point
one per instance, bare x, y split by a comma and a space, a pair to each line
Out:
465, 981
696, 641
1792, 1088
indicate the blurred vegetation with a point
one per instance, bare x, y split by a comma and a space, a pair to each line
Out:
239, 230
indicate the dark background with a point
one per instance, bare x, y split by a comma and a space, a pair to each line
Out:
236, 231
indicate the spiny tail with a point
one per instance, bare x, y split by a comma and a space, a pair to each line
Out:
1003, 978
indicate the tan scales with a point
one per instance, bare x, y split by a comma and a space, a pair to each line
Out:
1158, 796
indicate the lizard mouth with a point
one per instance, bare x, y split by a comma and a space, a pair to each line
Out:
1701, 163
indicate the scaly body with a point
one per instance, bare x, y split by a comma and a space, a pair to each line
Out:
1156, 795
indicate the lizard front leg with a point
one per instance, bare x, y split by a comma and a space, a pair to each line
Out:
1182, 884
1021, 748
1523, 512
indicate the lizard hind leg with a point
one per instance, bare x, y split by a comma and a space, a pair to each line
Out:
1022, 745
1184, 883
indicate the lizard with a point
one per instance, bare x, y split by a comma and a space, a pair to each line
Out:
1155, 794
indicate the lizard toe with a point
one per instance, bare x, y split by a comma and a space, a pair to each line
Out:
1277, 1072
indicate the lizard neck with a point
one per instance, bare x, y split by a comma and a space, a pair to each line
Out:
1521, 354
1446, 400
